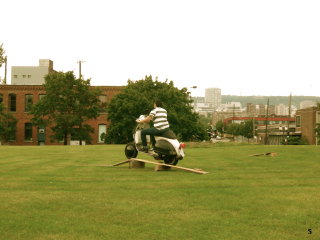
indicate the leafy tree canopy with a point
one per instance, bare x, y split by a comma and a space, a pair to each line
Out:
138, 97
247, 128
68, 103
220, 126
2, 57
244, 129
7, 124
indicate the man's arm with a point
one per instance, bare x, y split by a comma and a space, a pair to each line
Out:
146, 120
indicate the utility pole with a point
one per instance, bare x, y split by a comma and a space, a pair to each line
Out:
80, 62
289, 115
267, 116
5, 70
233, 113
80, 77
253, 127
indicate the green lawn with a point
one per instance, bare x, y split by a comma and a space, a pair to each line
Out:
67, 192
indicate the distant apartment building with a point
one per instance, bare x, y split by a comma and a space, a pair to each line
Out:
251, 109
282, 110
262, 111
307, 104
231, 107
221, 116
31, 75
272, 110
213, 97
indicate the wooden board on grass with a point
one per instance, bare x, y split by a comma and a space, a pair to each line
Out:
199, 171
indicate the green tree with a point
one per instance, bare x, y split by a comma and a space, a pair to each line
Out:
294, 140
2, 60
137, 98
234, 129
247, 129
2, 57
7, 124
68, 104
220, 126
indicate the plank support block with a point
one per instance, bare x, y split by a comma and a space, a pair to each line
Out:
161, 168
136, 164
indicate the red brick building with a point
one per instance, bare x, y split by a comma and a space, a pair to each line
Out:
17, 100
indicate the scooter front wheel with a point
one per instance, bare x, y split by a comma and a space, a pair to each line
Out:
131, 151
170, 159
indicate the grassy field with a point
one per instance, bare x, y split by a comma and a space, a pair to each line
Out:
67, 193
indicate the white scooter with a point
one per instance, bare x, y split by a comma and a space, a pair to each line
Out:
167, 147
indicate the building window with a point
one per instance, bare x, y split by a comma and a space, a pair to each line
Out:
41, 96
29, 76
102, 133
103, 100
12, 134
15, 76
28, 102
12, 102
298, 121
24, 76
28, 131
1, 98
317, 116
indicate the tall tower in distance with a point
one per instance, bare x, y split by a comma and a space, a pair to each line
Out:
213, 97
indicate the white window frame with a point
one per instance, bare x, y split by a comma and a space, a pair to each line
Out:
102, 128
317, 116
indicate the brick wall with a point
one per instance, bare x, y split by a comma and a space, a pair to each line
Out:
23, 117
307, 124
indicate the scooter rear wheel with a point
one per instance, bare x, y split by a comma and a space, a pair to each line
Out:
131, 151
170, 159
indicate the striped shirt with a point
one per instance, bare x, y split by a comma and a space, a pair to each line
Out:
159, 118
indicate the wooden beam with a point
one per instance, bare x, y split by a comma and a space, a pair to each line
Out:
119, 163
272, 154
200, 171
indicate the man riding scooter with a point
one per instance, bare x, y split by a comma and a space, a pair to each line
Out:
160, 125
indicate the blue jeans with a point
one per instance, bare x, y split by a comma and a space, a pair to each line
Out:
152, 132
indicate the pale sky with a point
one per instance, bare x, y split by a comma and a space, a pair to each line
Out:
244, 47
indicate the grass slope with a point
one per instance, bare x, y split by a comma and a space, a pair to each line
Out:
65, 192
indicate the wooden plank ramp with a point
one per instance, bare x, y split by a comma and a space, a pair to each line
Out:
199, 171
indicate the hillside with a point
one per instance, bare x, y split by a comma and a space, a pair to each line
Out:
273, 100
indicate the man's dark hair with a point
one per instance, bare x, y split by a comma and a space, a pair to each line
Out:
158, 103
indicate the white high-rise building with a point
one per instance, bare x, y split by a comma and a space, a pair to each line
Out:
213, 97
282, 109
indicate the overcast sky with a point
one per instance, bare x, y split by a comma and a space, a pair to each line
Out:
244, 47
